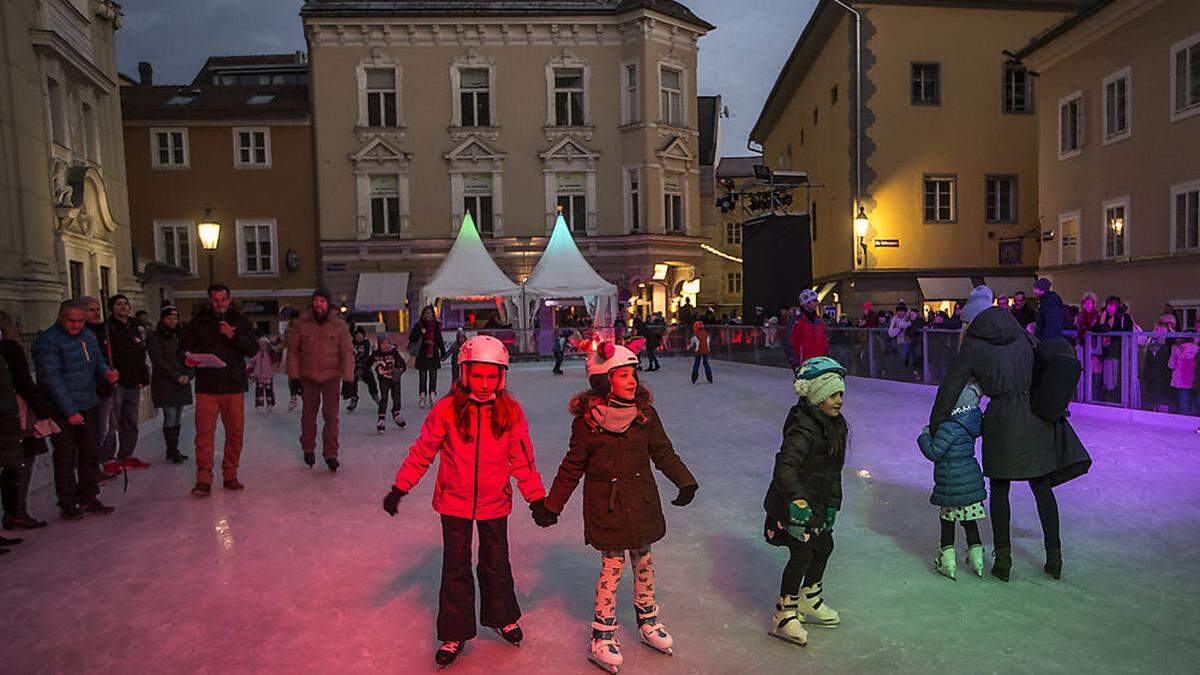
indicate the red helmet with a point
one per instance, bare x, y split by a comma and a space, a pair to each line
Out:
697, 327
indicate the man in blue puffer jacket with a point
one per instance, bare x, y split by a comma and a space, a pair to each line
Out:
958, 481
69, 365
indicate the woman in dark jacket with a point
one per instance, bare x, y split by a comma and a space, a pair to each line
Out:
426, 344
171, 383
14, 480
806, 495
1017, 444
615, 436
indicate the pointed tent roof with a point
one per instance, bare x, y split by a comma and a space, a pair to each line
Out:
563, 272
468, 270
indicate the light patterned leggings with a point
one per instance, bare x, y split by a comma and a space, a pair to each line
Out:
611, 568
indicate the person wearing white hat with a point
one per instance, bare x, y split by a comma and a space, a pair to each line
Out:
616, 434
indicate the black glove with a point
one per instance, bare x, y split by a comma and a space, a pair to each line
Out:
543, 516
392, 500
347, 390
686, 494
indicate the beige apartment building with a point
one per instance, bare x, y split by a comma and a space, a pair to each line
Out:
64, 220
426, 111
1119, 168
949, 152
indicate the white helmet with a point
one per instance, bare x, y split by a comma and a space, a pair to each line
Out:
607, 357
482, 349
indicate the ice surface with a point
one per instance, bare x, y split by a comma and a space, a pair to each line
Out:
303, 572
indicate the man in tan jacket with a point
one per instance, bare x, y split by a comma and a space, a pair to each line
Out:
321, 357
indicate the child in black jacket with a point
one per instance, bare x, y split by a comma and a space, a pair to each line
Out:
387, 363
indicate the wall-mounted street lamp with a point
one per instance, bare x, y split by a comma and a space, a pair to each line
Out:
861, 223
209, 231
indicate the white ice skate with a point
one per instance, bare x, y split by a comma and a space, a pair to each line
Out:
786, 623
813, 609
652, 631
976, 555
945, 563
605, 649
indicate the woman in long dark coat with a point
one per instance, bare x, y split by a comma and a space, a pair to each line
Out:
426, 344
1017, 444
14, 478
171, 382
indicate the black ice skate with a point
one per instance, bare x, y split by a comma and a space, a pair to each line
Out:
446, 653
399, 420
380, 425
353, 404
511, 633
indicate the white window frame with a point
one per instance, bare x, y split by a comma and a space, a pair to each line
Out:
1077, 216
1176, 113
570, 91
1079, 125
634, 215
491, 195
160, 247
240, 225
682, 93
953, 197
671, 193
937, 84
476, 94
364, 108
993, 216
631, 95
1126, 74
472, 61
187, 155
731, 277
564, 61
1005, 94
237, 147
573, 228
1123, 202
1176, 190
397, 226
733, 233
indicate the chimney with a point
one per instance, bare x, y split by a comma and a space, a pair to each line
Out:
145, 73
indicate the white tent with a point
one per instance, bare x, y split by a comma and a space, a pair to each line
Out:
468, 271
563, 272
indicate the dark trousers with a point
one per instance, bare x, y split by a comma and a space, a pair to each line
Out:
367, 378
427, 380
294, 387
264, 394
701, 358
498, 606
970, 528
652, 357
14, 486
389, 388
1047, 507
806, 566
558, 361
76, 463
123, 424
323, 396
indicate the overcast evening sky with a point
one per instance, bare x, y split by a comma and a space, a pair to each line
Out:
739, 60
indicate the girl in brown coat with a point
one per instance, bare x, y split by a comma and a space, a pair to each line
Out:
615, 436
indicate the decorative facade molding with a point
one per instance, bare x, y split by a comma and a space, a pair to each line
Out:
378, 60
472, 59
379, 156
570, 155
473, 156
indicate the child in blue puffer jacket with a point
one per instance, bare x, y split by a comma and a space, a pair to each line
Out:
958, 481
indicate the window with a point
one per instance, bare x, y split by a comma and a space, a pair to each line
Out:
475, 97
733, 233
1185, 78
252, 147
571, 196
75, 277
385, 205
169, 148
926, 84
939, 199
1185, 216
833, 93
1068, 238
635, 204
1000, 199
1017, 89
1117, 94
673, 216
568, 97
174, 244
477, 201
381, 97
1070, 125
260, 99
58, 120
632, 102
1116, 228
256, 247
91, 133
733, 282
671, 97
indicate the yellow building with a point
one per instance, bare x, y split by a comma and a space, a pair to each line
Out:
949, 151
64, 220
425, 111
1119, 89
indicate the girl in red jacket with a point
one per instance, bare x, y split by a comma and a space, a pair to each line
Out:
481, 434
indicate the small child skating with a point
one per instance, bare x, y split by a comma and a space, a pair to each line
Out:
262, 370
615, 436
387, 364
481, 433
958, 481
805, 497
700, 345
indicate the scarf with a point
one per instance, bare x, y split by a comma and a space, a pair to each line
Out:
615, 415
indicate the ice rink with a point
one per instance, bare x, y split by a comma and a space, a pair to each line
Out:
303, 572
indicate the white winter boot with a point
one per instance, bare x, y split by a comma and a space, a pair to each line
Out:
605, 649
786, 623
945, 563
813, 609
652, 631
